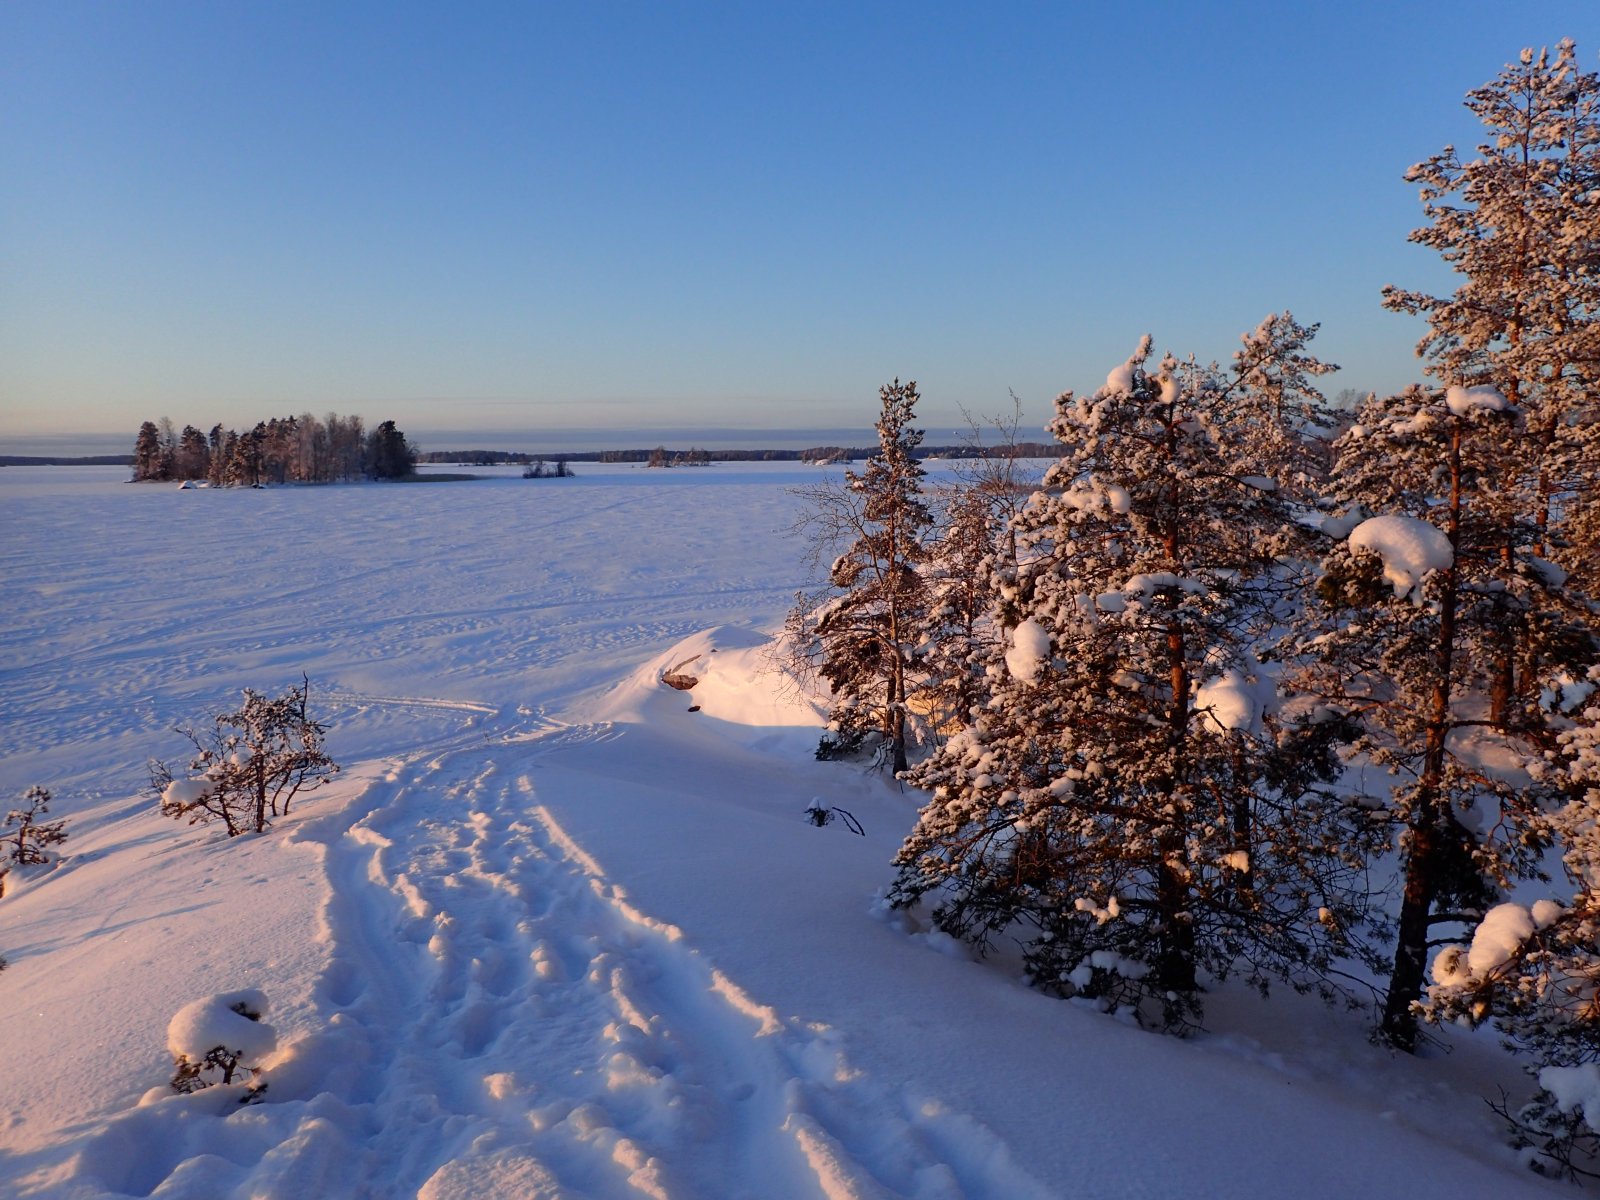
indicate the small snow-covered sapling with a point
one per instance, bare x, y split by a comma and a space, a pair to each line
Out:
214, 1039
820, 816
28, 844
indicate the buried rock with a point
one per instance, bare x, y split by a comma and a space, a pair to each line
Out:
675, 677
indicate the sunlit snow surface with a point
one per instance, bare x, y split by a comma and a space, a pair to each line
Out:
551, 933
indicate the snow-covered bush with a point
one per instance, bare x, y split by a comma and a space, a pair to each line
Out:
217, 1038
27, 840
250, 767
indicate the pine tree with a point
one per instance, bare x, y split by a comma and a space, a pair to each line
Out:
389, 455
147, 452
972, 558
1413, 611
962, 577
220, 448
1131, 799
866, 635
1520, 223
194, 458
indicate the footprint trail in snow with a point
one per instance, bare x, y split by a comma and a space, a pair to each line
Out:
501, 1020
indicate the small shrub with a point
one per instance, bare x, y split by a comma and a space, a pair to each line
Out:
820, 816
28, 844
250, 767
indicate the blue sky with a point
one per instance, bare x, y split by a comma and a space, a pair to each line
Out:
654, 215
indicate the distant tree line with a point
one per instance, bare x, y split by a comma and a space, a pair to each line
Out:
299, 449
697, 456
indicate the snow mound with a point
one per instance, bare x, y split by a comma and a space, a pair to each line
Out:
185, 793
1409, 548
1503, 929
737, 678
202, 1026
1575, 1090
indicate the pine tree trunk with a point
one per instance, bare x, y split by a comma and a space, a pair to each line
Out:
1175, 969
1399, 1026
1243, 842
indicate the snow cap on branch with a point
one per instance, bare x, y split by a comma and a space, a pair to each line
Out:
1409, 547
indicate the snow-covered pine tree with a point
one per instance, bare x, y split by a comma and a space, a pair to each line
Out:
1520, 223
867, 633
147, 452
1535, 970
1131, 801
1409, 642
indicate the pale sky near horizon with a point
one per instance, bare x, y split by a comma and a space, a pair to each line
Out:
557, 215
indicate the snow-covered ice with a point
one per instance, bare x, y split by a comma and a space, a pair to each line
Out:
558, 929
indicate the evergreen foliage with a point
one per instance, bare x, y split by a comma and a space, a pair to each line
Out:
1131, 800
1520, 224
1504, 464
1413, 650
389, 455
865, 636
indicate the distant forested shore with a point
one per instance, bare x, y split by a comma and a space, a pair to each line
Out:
65, 460
315, 450
662, 456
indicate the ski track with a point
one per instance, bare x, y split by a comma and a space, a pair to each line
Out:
498, 1018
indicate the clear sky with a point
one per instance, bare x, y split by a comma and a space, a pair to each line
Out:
548, 216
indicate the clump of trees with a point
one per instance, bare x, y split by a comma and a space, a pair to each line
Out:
250, 765
662, 457
303, 449
1156, 672
542, 469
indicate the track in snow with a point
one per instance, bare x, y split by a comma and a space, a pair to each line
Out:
500, 1020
